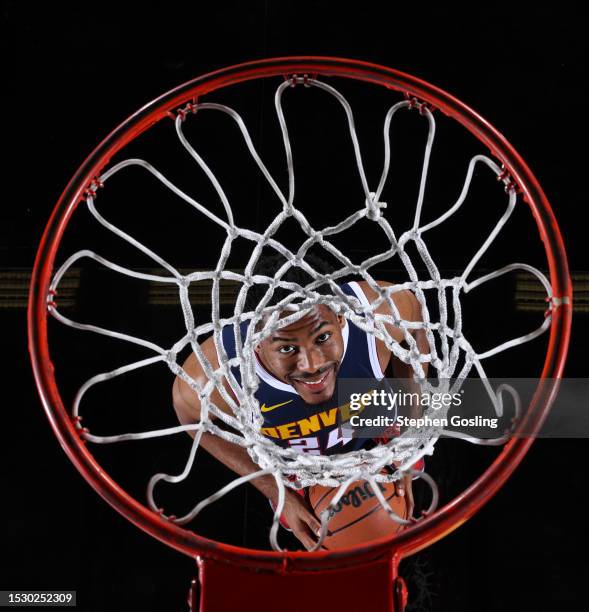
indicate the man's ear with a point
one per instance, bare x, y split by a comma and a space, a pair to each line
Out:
341, 320
258, 348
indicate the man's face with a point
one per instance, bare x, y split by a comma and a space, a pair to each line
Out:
307, 354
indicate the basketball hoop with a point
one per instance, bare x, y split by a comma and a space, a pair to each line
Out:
271, 572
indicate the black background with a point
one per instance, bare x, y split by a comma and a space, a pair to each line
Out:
73, 72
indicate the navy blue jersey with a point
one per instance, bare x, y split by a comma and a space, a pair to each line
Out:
313, 428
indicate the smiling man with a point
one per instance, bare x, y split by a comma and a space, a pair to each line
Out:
298, 367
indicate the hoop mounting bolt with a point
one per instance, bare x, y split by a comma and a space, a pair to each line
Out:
421, 106
296, 79
93, 187
508, 181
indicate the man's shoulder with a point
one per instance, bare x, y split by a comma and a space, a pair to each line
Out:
404, 299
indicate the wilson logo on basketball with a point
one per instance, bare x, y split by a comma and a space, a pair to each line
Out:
356, 497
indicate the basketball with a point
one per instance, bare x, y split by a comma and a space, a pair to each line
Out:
358, 516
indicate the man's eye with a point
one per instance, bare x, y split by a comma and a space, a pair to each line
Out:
286, 350
324, 337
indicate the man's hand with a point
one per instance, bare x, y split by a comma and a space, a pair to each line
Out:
300, 518
404, 488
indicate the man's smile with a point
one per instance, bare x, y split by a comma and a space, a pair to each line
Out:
315, 383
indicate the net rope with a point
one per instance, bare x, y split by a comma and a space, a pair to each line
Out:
290, 467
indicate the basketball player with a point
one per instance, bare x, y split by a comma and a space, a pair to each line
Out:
298, 366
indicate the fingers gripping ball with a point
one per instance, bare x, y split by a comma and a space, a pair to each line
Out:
358, 516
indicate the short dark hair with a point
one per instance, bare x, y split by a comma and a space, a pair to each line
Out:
268, 265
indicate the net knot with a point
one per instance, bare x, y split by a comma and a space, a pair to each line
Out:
413, 234
248, 281
317, 237
170, 358
232, 232
373, 207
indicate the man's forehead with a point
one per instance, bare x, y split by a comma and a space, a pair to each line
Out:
317, 314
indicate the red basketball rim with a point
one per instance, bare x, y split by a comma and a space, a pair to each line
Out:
411, 539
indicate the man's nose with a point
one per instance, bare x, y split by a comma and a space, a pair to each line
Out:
310, 360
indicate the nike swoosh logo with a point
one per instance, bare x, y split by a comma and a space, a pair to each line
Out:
265, 408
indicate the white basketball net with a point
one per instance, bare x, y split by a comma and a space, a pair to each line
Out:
246, 419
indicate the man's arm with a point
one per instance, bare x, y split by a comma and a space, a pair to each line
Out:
404, 371
409, 310
187, 406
